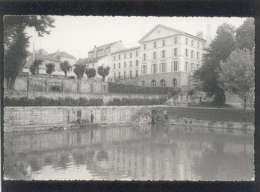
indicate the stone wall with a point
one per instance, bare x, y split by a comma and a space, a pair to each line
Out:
36, 118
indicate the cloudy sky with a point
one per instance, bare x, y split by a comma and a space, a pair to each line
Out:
79, 34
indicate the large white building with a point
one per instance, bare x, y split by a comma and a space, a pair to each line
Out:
166, 57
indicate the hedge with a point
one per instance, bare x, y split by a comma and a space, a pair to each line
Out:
125, 101
123, 88
44, 101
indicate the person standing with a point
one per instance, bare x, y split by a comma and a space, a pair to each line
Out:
92, 117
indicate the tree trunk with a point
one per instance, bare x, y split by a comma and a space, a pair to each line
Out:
244, 103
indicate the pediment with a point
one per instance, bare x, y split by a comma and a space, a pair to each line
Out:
159, 31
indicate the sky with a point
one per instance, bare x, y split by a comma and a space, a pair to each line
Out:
77, 35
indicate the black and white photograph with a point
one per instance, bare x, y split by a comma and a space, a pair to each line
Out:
128, 98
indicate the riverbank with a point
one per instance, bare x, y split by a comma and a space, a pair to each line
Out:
45, 117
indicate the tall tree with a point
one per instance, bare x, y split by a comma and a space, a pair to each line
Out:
50, 68
238, 74
65, 67
103, 71
16, 42
35, 67
245, 35
79, 70
90, 72
15, 57
218, 51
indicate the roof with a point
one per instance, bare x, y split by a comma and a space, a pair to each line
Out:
171, 29
105, 46
61, 54
127, 49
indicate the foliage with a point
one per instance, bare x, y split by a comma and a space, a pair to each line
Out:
15, 57
16, 42
103, 71
238, 73
123, 88
219, 50
125, 101
245, 35
79, 70
50, 68
90, 72
44, 101
65, 67
35, 67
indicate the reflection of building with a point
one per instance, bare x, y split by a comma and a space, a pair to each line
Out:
46, 58
120, 153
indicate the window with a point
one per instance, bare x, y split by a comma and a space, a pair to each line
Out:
154, 68
154, 55
131, 75
125, 55
119, 56
118, 65
192, 66
124, 75
186, 52
143, 82
153, 83
136, 63
144, 57
175, 40
175, 66
144, 46
186, 41
124, 64
114, 75
162, 83
175, 51
114, 66
174, 83
136, 53
163, 67
163, 43
144, 69
136, 73
191, 53
197, 55
154, 44
119, 75
198, 44
163, 53
131, 55
186, 66
192, 43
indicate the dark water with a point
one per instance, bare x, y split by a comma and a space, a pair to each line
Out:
126, 153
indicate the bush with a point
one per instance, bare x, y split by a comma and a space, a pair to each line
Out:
122, 88
44, 101
124, 101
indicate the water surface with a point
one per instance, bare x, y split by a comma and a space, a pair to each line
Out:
127, 153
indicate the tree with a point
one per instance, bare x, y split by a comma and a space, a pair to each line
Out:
103, 71
245, 35
238, 74
50, 68
35, 67
65, 67
16, 42
15, 57
219, 50
90, 72
79, 70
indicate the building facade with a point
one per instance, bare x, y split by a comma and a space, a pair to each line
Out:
166, 57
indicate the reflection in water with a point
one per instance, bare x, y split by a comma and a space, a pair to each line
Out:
127, 153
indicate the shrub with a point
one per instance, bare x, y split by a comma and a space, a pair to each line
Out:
124, 101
